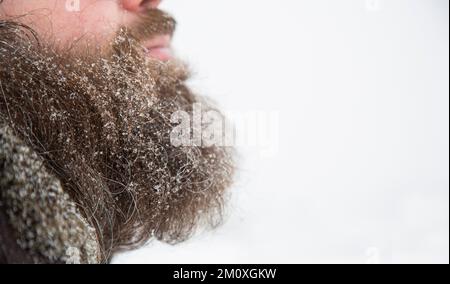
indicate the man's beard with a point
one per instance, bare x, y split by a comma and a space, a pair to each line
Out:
102, 123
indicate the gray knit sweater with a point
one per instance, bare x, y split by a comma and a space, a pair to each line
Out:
39, 222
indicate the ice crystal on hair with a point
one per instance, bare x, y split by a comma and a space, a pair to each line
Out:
101, 123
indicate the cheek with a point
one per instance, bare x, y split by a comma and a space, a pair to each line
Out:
65, 21
93, 20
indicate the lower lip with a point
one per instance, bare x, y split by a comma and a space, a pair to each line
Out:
160, 53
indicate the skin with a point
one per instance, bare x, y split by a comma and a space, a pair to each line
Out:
62, 23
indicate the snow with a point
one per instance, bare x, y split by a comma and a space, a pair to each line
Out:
362, 169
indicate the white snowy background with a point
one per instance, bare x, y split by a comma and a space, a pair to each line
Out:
362, 90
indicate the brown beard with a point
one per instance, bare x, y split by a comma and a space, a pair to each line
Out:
102, 124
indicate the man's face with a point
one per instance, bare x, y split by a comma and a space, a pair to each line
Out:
86, 23
93, 89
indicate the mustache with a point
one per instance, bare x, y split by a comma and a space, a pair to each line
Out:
153, 23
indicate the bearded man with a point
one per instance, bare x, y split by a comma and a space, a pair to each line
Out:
87, 167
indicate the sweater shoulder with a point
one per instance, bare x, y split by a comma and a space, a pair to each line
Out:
44, 221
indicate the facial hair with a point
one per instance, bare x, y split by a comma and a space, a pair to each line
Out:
102, 124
